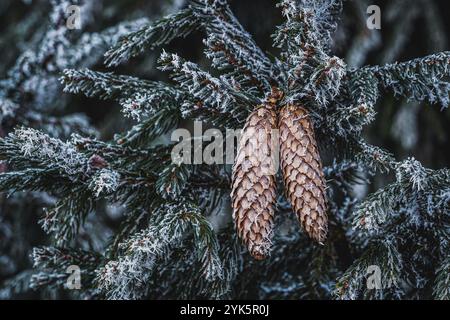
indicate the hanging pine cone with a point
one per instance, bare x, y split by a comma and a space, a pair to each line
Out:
253, 188
302, 171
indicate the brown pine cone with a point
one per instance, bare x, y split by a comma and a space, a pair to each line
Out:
253, 187
302, 171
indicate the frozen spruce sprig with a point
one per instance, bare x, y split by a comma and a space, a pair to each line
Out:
373, 158
105, 181
27, 146
232, 49
325, 81
304, 38
411, 173
91, 47
134, 107
52, 264
39, 162
377, 208
139, 98
128, 276
30, 151
349, 119
32, 81
420, 188
219, 94
363, 88
310, 22
379, 256
422, 79
179, 24
354, 108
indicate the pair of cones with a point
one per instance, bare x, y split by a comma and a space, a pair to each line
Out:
254, 187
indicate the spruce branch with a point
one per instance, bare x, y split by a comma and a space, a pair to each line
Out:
65, 218
233, 49
372, 157
414, 186
156, 125
52, 264
303, 38
324, 81
383, 255
363, 88
216, 94
173, 180
26, 147
422, 79
128, 276
48, 164
139, 98
91, 47
377, 208
179, 24
308, 22
349, 119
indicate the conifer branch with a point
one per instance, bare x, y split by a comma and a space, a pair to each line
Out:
179, 24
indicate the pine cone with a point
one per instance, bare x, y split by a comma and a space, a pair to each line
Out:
302, 171
253, 188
